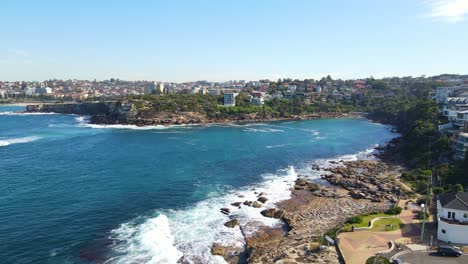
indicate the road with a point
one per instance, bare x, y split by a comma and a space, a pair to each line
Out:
431, 257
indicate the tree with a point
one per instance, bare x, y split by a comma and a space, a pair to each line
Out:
457, 188
243, 99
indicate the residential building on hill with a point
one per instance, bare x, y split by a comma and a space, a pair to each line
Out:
461, 146
230, 99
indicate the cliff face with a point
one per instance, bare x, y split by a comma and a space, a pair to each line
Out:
127, 113
116, 110
73, 108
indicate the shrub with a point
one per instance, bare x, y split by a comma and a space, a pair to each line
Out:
394, 211
422, 200
355, 220
421, 215
377, 260
438, 190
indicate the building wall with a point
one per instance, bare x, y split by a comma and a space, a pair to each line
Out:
457, 234
459, 215
230, 99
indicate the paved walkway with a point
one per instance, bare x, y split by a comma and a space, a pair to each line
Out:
358, 246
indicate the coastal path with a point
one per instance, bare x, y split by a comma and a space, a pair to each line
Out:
358, 246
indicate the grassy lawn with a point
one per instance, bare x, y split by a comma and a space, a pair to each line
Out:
365, 221
381, 225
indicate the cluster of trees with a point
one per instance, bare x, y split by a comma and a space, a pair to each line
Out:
212, 105
176, 103
422, 148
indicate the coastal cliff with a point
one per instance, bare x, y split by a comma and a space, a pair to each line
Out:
134, 113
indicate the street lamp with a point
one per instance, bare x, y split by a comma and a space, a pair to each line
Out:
424, 221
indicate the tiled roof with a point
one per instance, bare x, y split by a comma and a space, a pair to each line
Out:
457, 201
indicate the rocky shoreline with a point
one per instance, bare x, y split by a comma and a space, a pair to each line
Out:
118, 113
356, 187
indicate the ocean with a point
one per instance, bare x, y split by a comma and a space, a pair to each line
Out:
71, 192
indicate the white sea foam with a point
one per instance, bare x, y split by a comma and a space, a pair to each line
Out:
195, 229
263, 130
83, 121
11, 113
11, 141
277, 146
149, 242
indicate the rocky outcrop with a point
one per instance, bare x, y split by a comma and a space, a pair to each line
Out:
366, 179
309, 213
133, 113
232, 223
273, 213
257, 204
262, 199
230, 254
225, 211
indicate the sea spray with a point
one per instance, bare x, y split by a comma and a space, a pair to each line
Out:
149, 242
11, 141
195, 229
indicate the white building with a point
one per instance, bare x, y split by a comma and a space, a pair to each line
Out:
230, 99
443, 92
258, 101
462, 118
195, 90
461, 146
160, 88
454, 108
452, 215
292, 88
30, 91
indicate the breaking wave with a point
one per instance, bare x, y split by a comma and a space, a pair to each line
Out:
11, 113
11, 141
191, 232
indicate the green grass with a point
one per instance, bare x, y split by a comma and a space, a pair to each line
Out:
365, 221
381, 225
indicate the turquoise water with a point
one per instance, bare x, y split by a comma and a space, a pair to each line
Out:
77, 193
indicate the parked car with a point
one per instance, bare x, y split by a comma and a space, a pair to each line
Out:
397, 261
449, 251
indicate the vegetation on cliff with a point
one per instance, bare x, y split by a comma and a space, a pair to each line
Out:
422, 148
212, 105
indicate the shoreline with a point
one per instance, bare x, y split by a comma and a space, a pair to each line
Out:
114, 113
15, 104
313, 209
180, 120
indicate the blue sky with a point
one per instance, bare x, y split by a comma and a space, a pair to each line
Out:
183, 40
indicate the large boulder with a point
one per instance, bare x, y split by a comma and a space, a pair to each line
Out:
217, 250
236, 204
273, 213
257, 204
231, 224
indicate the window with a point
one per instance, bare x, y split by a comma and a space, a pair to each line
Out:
449, 215
453, 215
465, 216
443, 231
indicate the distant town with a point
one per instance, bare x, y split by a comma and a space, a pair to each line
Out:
326, 89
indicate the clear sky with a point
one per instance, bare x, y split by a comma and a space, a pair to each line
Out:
182, 40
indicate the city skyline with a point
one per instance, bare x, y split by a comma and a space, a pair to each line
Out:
181, 41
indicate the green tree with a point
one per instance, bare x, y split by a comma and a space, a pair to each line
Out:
243, 99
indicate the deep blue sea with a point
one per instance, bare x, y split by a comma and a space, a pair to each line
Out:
71, 192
